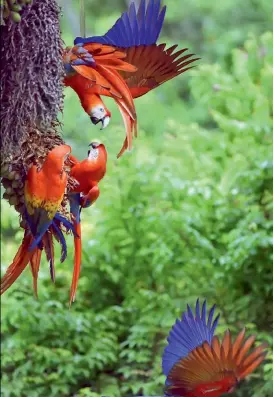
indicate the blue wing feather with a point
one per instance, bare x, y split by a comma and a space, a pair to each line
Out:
38, 224
159, 23
68, 225
60, 237
133, 22
74, 201
39, 232
156, 11
50, 257
141, 18
188, 333
129, 36
149, 18
133, 28
59, 234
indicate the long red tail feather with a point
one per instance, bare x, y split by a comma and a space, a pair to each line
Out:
35, 265
77, 261
18, 264
130, 126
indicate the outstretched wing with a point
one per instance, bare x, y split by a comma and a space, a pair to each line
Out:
133, 28
214, 362
188, 333
135, 33
155, 65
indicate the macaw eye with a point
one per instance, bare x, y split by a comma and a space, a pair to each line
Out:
101, 109
94, 145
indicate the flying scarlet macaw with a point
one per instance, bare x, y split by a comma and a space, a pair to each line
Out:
43, 193
88, 174
124, 64
199, 364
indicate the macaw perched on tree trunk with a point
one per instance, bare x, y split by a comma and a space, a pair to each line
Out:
198, 364
133, 38
88, 174
44, 191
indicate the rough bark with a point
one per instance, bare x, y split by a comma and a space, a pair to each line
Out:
31, 93
31, 87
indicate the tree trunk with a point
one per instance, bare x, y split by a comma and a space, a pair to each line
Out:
31, 92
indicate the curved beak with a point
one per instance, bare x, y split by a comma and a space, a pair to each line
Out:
95, 120
105, 122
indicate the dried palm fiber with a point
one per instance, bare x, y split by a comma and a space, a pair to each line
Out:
31, 72
31, 93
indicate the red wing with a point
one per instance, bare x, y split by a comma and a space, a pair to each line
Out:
87, 59
212, 363
155, 64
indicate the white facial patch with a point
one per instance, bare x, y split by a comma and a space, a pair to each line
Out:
98, 111
93, 154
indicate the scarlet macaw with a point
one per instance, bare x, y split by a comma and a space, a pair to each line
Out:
93, 70
43, 193
198, 364
87, 173
132, 38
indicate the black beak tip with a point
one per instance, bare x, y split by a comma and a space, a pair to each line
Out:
94, 120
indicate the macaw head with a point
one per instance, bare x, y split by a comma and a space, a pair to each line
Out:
97, 160
57, 156
98, 112
60, 151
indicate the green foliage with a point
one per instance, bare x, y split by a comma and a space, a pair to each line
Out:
186, 214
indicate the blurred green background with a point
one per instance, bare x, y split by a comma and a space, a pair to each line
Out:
187, 213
